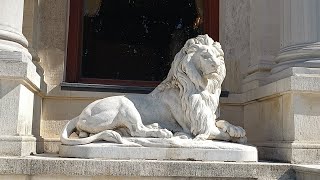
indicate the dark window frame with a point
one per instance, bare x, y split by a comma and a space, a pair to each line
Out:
73, 62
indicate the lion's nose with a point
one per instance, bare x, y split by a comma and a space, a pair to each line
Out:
215, 63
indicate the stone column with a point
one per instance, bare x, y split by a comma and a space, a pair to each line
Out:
264, 41
19, 82
30, 28
299, 35
293, 113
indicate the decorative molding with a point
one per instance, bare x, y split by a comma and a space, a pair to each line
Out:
10, 34
299, 52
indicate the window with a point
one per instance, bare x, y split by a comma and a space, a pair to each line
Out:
132, 42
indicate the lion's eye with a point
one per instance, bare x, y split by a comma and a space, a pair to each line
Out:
206, 56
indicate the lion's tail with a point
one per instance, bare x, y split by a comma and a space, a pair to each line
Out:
107, 135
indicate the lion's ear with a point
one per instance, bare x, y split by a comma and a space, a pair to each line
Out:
189, 43
191, 50
218, 48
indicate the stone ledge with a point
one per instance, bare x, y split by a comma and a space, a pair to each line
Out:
308, 168
53, 166
16, 66
308, 172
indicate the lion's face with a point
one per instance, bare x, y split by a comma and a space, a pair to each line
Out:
208, 62
198, 66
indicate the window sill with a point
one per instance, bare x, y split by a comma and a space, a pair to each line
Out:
113, 88
105, 88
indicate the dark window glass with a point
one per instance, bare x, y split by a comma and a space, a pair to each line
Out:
136, 39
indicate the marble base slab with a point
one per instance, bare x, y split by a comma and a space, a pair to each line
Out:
213, 151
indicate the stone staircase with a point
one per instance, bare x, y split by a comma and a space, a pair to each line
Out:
50, 166
53, 167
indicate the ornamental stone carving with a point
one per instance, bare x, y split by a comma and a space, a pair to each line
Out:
183, 106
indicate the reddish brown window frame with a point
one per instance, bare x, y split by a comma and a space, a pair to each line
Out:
73, 64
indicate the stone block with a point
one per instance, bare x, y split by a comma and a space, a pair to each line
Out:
263, 120
232, 113
17, 145
16, 108
306, 116
18, 83
287, 116
16, 112
57, 112
252, 125
17, 66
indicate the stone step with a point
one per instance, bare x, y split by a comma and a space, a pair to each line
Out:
48, 166
307, 172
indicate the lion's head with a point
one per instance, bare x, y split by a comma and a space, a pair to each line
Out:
198, 71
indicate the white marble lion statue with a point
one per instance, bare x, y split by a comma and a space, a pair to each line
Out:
184, 105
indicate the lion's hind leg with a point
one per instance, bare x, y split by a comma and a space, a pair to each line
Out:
139, 130
82, 134
133, 122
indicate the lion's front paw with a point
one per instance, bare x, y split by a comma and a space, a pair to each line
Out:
241, 140
154, 126
201, 137
165, 133
182, 135
232, 130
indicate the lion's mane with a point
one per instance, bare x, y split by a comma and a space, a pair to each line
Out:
199, 96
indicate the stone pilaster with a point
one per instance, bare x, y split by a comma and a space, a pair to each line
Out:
19, 81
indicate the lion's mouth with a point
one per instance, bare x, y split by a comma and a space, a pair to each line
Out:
210, 75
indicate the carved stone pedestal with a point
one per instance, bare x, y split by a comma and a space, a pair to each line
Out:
193, 150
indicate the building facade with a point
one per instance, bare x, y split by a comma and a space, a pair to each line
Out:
272, 56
